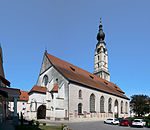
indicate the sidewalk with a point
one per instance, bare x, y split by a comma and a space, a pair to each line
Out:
7, 125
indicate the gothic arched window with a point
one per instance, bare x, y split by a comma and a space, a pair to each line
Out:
98, 58
92, 103
109, 105
45, 79
102, 104
35, 106
121, 106
31, 106
126, 108
79, 108
104, 50
80, 94
104, 57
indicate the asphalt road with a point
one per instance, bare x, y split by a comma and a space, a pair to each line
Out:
92, 125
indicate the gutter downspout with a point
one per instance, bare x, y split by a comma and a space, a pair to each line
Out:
68, 101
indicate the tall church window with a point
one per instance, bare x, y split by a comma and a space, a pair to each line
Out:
52, 95
109, 105
92, 103
31, 106
56, 80
35, 106
80, 94
79, 108
98, 58
104, 50
121, 106
126, 108
45, 80
104, 57
102, 104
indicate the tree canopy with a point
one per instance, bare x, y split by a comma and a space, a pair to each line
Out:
140, 104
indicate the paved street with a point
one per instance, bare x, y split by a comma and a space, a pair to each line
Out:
92, 125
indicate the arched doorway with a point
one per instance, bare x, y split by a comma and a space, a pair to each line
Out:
41, 112
116, 109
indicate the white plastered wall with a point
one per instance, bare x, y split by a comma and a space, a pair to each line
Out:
86, 92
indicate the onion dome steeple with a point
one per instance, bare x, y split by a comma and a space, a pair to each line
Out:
101, 34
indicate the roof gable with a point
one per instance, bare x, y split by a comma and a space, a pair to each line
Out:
45, 64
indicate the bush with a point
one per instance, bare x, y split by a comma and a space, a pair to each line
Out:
31, 122
146, 118
63, 126
44, 124
37, 123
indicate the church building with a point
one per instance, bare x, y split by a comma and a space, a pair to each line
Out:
66, 92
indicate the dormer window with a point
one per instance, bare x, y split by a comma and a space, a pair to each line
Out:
105, 82
91, 77
45, 80
72, 68
115, 87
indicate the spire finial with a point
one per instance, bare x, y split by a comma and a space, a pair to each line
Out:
100, 21
101, 34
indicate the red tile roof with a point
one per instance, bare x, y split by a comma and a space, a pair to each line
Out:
55, 88
39, 89
78, 75
24, 95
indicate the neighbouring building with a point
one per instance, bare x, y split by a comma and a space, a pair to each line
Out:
21, 104
7, 95
65, 91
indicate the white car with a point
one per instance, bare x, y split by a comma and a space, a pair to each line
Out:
138, 122
112, 121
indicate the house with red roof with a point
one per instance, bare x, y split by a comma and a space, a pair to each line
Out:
21, 104
66, 92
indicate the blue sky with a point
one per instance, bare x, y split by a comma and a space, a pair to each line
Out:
68, 29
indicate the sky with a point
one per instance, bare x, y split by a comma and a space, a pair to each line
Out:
67, 29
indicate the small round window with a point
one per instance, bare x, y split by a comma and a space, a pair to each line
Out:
45, 79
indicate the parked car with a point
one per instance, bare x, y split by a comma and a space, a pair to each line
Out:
120, 119
112, 121
125, 122
138, 122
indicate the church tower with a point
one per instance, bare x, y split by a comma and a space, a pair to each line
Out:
101, 57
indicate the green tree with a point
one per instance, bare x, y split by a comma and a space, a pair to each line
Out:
140, 104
